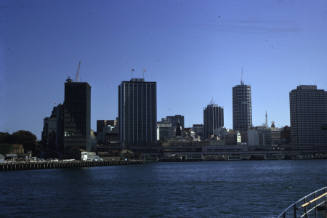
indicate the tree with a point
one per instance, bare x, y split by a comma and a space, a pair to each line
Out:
5, 137
26, 138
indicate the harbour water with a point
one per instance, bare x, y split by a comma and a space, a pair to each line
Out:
184, 189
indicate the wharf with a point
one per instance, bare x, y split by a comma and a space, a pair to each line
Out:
12, 166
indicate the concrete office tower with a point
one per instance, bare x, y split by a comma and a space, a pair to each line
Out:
308, 113
77, 117
242, 109
137, 114
213, 118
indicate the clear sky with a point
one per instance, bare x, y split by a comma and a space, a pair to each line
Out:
194, 50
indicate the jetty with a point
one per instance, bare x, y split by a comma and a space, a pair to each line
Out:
11, 166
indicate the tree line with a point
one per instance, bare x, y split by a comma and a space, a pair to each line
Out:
26, 138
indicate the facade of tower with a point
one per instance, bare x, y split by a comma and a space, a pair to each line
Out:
137, 111
213, 118
242, 107
52, 134
308, 115
77, 117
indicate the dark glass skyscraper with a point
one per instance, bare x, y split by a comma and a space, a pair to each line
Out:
52, 134
308, 113
242, 109
137, 113
213, 118
77, 116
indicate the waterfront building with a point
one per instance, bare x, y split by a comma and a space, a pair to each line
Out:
108, 142
233, 138
275, 135
285, 135
242, 109
308, 113
265, 136
106, 129
220, 132
188, 133
213, 118
198, 129
52, 134
165, 131
253, 137
6, 148
260, 135
137, 114
176, 122
77, 117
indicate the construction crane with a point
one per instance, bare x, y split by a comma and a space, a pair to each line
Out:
77, 72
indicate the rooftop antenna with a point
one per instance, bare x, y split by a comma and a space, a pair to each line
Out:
144, 70
242, 76
212, 101
132, 70
77, 72
266, 123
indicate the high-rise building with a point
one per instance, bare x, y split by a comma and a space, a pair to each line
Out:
52, 134
77, 117
308, 113
242, 109
137, 114
213, 118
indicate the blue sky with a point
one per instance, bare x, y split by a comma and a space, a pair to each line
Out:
194, 50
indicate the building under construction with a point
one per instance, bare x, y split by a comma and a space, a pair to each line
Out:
77, 116
68, 129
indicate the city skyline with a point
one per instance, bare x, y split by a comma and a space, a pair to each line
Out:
194, 55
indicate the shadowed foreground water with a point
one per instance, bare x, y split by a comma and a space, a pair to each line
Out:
220, 189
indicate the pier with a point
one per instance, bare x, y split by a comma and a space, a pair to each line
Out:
12, 166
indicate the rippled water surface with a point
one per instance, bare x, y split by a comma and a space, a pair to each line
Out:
190, 189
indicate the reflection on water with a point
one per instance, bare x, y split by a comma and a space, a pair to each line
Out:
235, 188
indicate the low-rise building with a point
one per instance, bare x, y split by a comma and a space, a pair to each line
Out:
11, 149
2, 158
275, 136
165, 131
90, 156
233, 138
260, 135
198, 129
